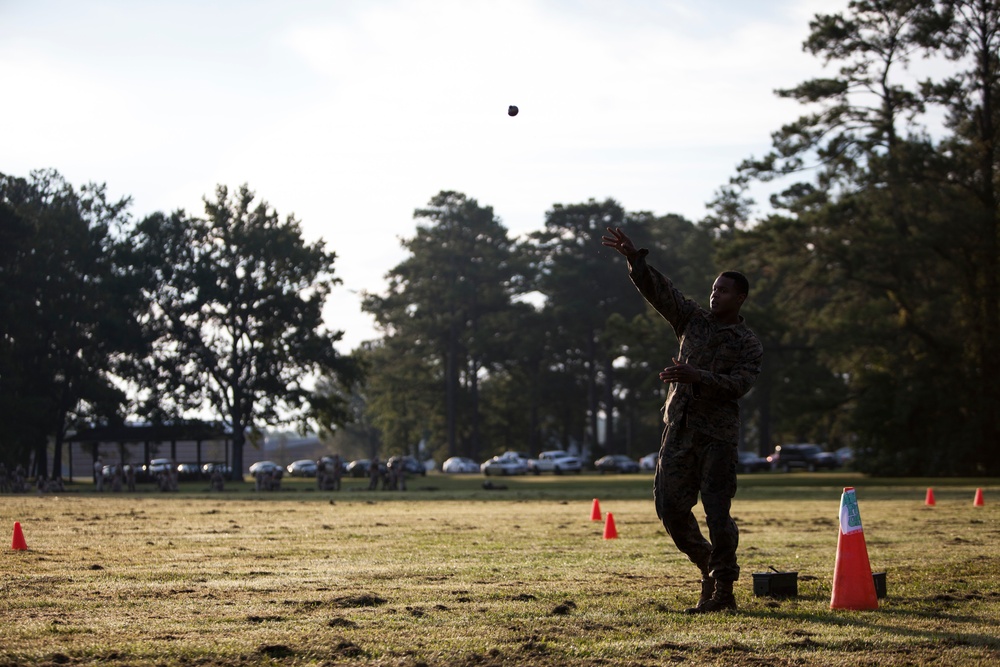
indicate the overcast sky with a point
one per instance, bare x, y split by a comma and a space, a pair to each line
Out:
351, 114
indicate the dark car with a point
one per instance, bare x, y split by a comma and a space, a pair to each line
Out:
801, 456
750, 462
188, 472
411, 466
208, 469
616, 463
359, 467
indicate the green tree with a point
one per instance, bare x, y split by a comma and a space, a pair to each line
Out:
235, 314
968, 178
583, 285
442, 305
883, 266
66, 319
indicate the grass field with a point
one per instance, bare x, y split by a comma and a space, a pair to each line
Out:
448, 573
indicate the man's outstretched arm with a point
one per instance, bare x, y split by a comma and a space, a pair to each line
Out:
656, 288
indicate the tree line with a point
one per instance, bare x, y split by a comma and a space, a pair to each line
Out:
873, 273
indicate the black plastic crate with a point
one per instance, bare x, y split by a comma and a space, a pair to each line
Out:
776, 584
879, 579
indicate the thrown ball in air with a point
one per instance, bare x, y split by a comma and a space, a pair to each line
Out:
512, 110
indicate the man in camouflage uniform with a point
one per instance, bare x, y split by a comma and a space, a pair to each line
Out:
718, 362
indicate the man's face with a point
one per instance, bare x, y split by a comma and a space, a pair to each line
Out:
725, 300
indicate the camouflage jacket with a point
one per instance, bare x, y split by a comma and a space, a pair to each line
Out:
728, 357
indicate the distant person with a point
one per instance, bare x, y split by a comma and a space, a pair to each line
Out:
99, 474
130, 478
217, 481
718, 362
373, 474
321, 477
337, 471
117, 479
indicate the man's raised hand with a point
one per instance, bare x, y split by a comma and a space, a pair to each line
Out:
618, 240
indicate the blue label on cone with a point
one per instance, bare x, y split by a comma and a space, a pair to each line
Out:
850, 517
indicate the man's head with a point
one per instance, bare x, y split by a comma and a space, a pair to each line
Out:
729, 292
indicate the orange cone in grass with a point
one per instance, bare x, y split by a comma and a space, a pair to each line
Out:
595, 511
610, 532
853, 586
18, 543
978, 500
929, 501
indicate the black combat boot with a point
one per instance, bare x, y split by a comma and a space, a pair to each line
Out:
707, 591
722, 599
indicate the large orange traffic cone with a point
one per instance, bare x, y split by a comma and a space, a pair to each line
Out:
978, 500
610, 532
18, 543
595, 511
930, 498
853, 586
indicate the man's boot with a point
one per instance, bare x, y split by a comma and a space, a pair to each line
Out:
707, 591
722, 599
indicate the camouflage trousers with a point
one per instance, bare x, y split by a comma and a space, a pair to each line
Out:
691, 463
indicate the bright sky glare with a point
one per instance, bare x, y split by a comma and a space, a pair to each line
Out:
353, 113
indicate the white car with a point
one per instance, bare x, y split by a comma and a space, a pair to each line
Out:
648, 462
261, 467
508, 463
555, 461
459, 465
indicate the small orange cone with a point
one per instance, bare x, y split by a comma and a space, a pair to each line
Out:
853, 586
610, 532
978, 501
595, 511
930, 498
18, 543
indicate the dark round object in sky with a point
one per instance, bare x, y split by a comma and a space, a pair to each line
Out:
512, 110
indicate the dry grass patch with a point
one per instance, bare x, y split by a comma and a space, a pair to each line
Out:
290, 580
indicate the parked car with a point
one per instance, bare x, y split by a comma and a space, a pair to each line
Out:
616, 463
508, 463
260, 467
459, 465
156, 466
149, 472
302, 468
208, 469
108, 471
750, 462
359, 467
411, 466
845, 456
188, 472
648, 462
329, 462
801, 456
555, 461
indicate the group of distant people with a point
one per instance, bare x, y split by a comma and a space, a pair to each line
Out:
268, 480
329, 471
16, 481
121, 477
392, 477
